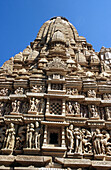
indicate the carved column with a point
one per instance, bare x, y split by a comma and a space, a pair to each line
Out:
63, 137
47, 106
63, 107
45, 136
49, 86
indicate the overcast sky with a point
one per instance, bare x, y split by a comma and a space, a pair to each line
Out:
20, 21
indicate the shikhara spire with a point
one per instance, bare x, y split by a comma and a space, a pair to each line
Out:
55, 102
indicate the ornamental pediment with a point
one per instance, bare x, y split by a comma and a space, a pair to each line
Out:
56, 63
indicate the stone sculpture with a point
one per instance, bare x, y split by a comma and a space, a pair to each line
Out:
77, 108
93, 111
9, 137
19, 91
4, 92
70, 136
30, 131
16, 106
55, 102
32, 104
78, 140
37, 136
91, 93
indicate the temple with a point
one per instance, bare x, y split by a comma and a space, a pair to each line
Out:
55, 103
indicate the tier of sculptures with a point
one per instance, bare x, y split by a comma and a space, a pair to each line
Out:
27, 136
81, 140
42, 89
72, 108
78, 140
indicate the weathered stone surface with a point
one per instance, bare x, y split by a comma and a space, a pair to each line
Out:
55, 103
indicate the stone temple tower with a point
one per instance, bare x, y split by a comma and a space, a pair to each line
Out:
55, 103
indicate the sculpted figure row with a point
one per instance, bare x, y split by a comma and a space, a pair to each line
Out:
38, 89
72, 108
11, 139
92, 111
37, 105
42, 89
83, 141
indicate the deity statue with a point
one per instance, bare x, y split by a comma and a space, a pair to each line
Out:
104, 141
30, 132
37, 104
32, 104
70, 136
91, 93
76, 108
86, 141
69, 108
16, 106
97, 137
93, 111
10, 137
78, 140
37, 136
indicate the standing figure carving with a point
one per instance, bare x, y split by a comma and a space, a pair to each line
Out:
32, 105
37, 136
37, 103
70, 136
86, 141
104, 141
76, 108
16, 106
97, 137
69, 108
10, 137
30, 131
78, 140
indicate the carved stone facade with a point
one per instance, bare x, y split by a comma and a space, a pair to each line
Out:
55, 103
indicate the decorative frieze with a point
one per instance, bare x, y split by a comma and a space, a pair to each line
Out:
55, 101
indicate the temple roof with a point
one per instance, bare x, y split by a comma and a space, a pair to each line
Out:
57, 37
